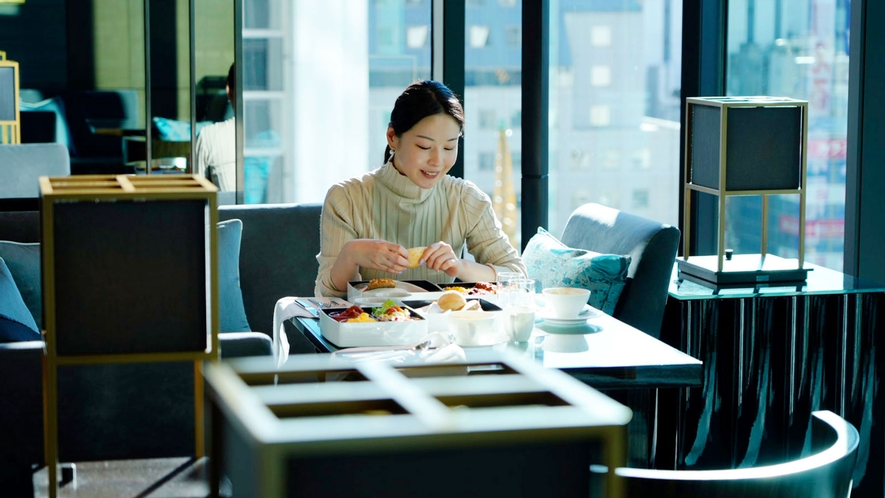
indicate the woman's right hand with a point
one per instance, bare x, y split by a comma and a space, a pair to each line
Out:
377, 254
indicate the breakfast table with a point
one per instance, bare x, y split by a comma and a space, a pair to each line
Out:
614, 356
635, 368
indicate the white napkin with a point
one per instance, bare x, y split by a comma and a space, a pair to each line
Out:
439, 350
285, 309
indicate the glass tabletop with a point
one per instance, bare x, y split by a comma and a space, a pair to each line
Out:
820, 281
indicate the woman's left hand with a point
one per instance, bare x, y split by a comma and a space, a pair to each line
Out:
441, 257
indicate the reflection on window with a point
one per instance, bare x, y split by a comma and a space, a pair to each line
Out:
798, 51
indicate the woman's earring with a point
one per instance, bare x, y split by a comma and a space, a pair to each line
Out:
392, 152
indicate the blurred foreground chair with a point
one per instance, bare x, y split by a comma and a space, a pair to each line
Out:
652, 246
825, 473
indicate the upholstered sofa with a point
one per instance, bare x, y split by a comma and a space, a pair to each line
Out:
118, 411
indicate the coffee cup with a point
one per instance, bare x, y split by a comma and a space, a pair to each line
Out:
566, 302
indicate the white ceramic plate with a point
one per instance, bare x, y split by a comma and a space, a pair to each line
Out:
588, 312
403, 289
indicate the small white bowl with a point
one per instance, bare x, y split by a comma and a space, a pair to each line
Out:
566, 302
474, 328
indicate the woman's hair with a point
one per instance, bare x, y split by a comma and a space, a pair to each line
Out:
419, 100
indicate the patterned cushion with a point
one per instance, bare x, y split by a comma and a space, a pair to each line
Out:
16, 322
554, 264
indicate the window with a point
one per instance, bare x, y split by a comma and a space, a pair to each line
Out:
309, 124
800, 50
606, 85
493, 100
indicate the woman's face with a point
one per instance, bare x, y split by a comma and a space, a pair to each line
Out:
428, 151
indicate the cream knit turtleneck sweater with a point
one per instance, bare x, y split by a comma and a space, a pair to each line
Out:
384, 204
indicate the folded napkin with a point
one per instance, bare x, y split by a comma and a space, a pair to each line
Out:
286, 309
439, 349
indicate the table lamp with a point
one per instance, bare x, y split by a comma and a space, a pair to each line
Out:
744, 146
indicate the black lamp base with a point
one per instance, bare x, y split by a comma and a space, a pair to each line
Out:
750, 269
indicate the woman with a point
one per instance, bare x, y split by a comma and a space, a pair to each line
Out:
369, 222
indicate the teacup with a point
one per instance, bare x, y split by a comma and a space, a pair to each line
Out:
521, 323
566, 302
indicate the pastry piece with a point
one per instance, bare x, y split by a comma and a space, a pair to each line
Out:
415, 254
381, 283
451, 301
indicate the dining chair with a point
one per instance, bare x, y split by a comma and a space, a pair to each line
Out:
10, 117
651, 245
826, 472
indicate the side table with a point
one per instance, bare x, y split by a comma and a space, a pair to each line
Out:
772, 355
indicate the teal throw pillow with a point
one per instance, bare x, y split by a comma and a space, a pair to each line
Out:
554, 264
232, 313
23, 261
16, 322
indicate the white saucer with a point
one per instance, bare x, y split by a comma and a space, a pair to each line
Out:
579, 328
588, 312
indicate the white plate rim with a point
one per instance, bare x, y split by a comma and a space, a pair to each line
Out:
401, 287
587, 313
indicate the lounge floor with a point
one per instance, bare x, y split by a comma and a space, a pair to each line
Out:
153, 478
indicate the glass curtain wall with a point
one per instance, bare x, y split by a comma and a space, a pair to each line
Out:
321, 77
493, 103
614, 107
798, 49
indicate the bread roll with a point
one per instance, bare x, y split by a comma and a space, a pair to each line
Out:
451, 301
415, 254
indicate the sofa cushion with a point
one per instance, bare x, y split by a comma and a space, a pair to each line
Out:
232, 314
23, 261
16, 322
556, 265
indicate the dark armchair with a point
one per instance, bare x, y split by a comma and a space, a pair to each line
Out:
651, 244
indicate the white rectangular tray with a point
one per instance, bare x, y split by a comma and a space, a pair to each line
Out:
348, 335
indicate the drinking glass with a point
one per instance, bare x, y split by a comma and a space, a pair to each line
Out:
508, 285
